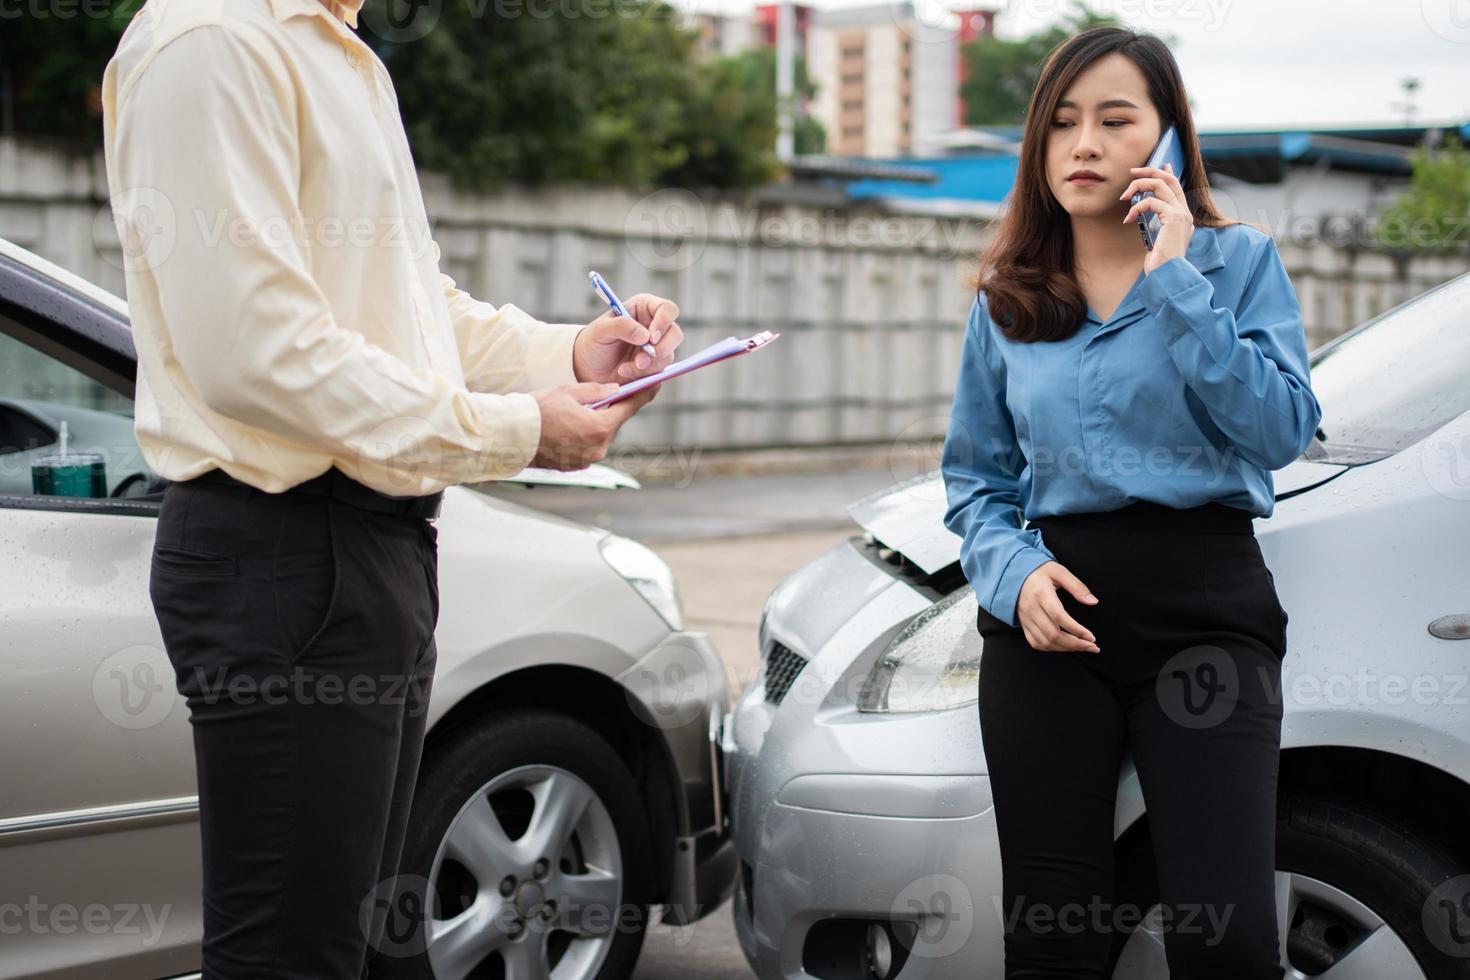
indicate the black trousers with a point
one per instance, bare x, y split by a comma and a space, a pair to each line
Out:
301, 632
1192, 638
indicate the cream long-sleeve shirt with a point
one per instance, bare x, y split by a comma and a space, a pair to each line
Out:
286, 299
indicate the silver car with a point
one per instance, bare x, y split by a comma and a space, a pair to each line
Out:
567, 691
858, 793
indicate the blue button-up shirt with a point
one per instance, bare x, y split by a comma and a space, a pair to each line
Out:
1192, 391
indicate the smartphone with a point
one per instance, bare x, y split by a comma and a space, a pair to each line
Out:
1167, 151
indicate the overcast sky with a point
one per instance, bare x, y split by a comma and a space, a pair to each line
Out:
1279, 63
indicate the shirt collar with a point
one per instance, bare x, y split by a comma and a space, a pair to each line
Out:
1202, 252
344, 11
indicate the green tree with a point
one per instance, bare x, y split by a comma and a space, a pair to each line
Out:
728, 130
601, 91
1431, 215
51, 62
497, 90
579, 90
1000, 75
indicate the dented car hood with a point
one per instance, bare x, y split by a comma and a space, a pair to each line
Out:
909, 517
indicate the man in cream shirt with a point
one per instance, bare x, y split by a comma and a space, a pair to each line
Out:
310, 382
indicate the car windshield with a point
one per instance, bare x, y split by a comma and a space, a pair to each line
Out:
1398, 379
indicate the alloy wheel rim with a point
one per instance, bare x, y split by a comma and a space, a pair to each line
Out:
547, 901
1345, 939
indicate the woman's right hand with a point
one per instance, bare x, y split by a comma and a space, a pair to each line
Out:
1042, 618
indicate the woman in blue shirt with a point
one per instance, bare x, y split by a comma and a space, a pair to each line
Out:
1130, 404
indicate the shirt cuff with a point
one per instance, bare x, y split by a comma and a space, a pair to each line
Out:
1167, 281
1008, 590
549, 353
512, 429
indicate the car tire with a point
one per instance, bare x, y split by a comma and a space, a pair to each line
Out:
1350, 869
495, 753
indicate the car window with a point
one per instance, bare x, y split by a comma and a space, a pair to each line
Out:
37, 394
28, 374
1396, 380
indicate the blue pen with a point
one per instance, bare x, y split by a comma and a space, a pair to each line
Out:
611, 298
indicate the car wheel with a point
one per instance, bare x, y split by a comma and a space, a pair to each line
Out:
527, 852
1355, 893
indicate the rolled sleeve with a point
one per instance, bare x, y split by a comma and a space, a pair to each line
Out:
1247, 365
1008, 586
981, 465
505, 349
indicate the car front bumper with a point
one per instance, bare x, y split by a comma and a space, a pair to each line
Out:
679, 688
849, 824
826, 858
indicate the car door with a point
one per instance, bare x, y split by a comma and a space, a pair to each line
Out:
99, 845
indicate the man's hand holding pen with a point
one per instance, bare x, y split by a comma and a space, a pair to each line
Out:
613, 348
610, 348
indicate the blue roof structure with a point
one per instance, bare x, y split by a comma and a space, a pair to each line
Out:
1257, 156
974, 178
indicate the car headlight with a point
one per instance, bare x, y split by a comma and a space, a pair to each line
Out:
646, 572
934, 664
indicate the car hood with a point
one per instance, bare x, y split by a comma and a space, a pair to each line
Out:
909, 517
595, 477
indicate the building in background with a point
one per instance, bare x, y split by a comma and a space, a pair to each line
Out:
1291, 181
887, 79
975, 23
722, 35
764, 23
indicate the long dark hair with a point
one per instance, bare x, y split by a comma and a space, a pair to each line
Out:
1026, 271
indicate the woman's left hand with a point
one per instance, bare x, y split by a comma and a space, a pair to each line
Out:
1176, 222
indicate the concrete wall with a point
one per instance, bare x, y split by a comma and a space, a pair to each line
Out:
870, 306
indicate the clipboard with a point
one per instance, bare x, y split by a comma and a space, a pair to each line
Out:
713, 354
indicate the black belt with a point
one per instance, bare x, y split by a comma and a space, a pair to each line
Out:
335, 483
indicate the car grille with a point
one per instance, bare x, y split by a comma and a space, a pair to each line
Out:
782, 667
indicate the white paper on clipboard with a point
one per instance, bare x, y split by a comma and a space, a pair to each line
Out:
724, 350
